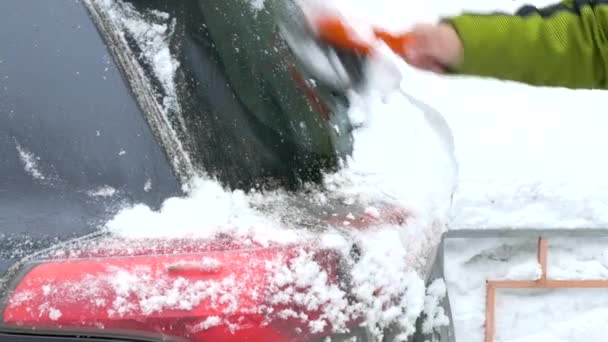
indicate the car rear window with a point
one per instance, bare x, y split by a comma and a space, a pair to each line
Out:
75, 145
218, 77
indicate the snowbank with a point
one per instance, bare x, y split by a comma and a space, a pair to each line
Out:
527, 315
528, 158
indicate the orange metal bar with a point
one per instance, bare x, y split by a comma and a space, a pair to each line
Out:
542, 283
490, 303
542, 259
396, 42
335, 31
549, 284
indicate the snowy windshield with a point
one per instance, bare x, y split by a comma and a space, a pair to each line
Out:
369, 184
224, 96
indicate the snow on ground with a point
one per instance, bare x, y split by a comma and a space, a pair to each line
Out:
528, 315
527, 157
534, 163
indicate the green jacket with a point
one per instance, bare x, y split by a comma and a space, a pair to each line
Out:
564, 45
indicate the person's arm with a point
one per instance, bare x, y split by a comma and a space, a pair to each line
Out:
561, 45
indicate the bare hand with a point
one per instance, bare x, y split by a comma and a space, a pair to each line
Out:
434, 48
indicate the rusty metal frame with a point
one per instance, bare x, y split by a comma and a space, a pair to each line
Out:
543, 282
435, 270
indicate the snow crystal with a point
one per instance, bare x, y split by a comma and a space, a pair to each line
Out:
304, 284
317, 326
54, 314
402, 295
159, 14
206, 265
148, 185
30, 162
334, 240
435, 316
211, 264
257, 5
156, 293
228, 212
208, 323
46, 289
103, 191
153, 39
372, 212
24, 296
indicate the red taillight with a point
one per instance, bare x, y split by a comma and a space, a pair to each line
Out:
214, 296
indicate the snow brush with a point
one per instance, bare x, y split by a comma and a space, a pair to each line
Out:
330, 48
333, 30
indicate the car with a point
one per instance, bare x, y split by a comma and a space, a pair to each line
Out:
111, 103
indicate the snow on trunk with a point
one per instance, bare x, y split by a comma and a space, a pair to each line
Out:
403, 158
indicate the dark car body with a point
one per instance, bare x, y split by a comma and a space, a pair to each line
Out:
73, 123
88, 126
83, 130
66, 116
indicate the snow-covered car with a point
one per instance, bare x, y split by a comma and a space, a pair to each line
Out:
110, 104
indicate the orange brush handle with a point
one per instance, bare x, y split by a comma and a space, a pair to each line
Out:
335, 32
398, 43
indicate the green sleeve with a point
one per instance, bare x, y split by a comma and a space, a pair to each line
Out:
564, 45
